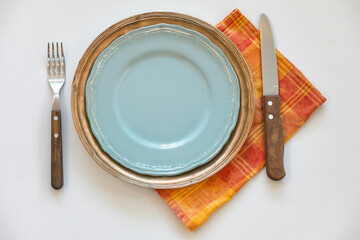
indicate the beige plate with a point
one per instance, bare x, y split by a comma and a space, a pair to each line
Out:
198, 174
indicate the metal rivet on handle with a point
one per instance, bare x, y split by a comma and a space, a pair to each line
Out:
271, 116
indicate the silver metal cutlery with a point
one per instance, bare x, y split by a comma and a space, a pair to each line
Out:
274, 135
56, 77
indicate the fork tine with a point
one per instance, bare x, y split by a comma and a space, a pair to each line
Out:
48, 60
53, 59
62, 60
57, 59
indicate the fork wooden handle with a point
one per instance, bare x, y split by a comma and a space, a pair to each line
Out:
57, 178
274, 138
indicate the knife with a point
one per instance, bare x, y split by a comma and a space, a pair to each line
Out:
274, 135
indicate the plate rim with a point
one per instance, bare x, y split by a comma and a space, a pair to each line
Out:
237, 137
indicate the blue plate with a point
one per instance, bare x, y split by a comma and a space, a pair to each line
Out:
162, 100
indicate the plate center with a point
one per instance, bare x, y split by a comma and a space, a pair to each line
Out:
162, 100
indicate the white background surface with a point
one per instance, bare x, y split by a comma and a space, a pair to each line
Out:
318, 199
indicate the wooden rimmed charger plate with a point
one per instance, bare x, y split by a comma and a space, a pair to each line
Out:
236, 138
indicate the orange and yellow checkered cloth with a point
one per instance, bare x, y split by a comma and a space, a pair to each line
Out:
299, 99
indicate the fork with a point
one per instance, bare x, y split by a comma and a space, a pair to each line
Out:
56, 78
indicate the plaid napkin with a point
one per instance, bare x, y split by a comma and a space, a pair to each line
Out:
299, 99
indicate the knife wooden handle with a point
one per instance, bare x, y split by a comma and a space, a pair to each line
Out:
57, 179
274, 138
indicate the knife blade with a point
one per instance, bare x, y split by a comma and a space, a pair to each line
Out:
274, 135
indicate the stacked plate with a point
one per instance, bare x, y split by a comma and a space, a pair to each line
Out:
162, 100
